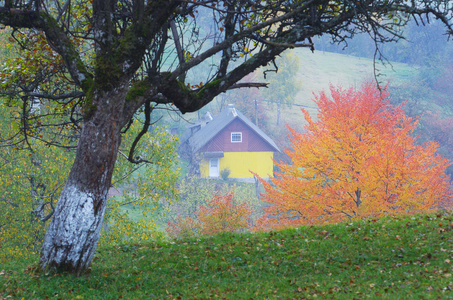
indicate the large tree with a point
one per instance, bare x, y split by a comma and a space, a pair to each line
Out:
357, 160
109, 60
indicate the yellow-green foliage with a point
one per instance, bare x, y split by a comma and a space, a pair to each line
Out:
285, 85
142, 187
7, 49
31, 183
30, 180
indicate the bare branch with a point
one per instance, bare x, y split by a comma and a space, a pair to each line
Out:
9, 202
146, 124
286, 45
236, 37
248, 85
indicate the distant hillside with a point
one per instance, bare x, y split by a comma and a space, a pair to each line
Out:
320, 69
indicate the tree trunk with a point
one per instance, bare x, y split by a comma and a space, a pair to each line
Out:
73, 234
358, 193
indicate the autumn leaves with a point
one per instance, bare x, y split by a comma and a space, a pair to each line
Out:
357, 160
221, 214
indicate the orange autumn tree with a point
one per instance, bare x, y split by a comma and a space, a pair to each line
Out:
358, 159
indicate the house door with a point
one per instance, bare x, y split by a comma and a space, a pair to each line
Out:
214, 167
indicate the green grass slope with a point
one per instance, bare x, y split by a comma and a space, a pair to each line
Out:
392, 258
320, 69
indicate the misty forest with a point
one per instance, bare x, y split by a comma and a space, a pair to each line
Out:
231, 149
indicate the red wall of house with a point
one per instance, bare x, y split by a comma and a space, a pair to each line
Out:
251, 141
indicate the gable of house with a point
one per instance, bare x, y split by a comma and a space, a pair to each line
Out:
215, 135
250, 140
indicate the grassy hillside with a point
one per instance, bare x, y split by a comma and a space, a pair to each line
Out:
321, 69
391, 258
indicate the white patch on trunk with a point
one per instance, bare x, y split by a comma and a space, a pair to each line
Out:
74, 232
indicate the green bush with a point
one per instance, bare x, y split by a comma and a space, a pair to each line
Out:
225, 173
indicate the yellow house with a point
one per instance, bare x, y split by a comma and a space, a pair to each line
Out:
231, 141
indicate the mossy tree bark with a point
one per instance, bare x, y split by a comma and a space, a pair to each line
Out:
74, 231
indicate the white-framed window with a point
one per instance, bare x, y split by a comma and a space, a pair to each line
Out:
236, 137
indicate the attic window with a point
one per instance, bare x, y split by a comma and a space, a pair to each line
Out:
236, 137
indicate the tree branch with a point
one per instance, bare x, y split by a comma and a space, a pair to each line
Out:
248, 85
9, 202
56, 38
137, 38
237, 37
192, 100
286, 45
130, 157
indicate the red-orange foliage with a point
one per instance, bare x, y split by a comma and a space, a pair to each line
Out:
182, 228
357, 160
221, 214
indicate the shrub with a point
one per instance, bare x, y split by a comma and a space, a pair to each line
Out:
221, 214
225, 173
